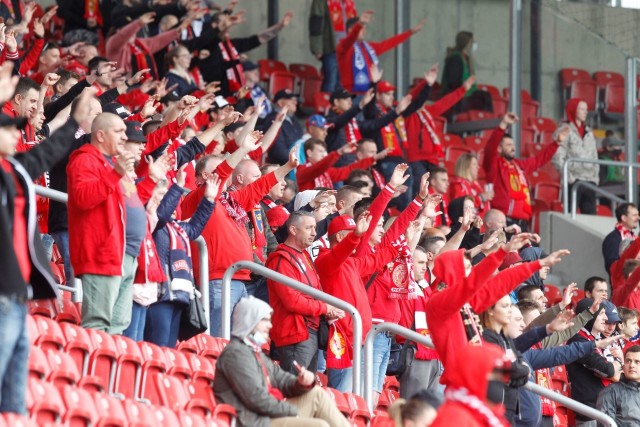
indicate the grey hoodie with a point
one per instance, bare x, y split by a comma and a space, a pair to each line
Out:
246, 315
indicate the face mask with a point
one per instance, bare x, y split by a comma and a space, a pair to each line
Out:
495, 392
258, 338
474, 47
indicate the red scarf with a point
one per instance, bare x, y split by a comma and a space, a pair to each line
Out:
443, 218
421, 324
477, 406
378, 178
400, 271
149, 267
625, 233
338, 15
258, 240
352, 132
276, 393
543, 379
269, 202
143, 58
234, 210
92, 11
518, 185
393, 135
429, 125
235, 73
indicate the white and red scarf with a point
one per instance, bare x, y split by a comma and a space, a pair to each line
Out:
625, 233
401, 272
235, 73
463, 397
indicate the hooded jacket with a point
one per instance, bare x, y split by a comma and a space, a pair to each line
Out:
529, 254
471, 238
581, 143
621, 402
472, 378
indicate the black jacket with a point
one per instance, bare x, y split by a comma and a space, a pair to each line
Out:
28, 166
290, 132
621, 401
611, 249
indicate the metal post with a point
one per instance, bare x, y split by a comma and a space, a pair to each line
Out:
203, 280
403, 14
631, 128
300, 287
606, 194
368, 352
273, 12
536, 51
515, 51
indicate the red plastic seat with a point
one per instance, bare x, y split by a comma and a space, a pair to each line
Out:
188, 346
358, 411
547, 191
78, 345
172, 393
500, 106
42, 307
452, 139
128, 367
391, 383
280, 80
193, 420
165, 417
493, 90
154, 363
63, 369
178, 364
32, 329
209, 346
102, 361
475, 143
552, 293
268, 66
604, 78
614, 98
38, 364
81, 410
68, 312
310, 87
570, 75
321, 379
603, 210
381, 419
203, 369
138, 414
529, 110
524, 94
479, 115
578, 295
224, 414
387, 397
453, 152
542, 124
50, 334
303, 71
546, 137
339, 399
109, 411
15, 420
45, 403
321, 102
586, 90
58, 273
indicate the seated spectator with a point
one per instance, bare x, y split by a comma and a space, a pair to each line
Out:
535, 294
582, 144
627, 216
420, 410
596, 287
257, 388
621, 400
457, 208
465, 183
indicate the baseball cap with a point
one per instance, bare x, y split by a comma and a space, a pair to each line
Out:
219, 102
511, 259
584, 304
249, 66
117, 109
318, 121
277, 216
284, 94
134, 132
341, 223
611, 311
384, 86
340, 94
611, 142
19, 122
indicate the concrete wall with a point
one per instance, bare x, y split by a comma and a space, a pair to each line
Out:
564, 42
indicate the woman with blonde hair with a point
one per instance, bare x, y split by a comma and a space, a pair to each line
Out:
465, 183
419, 411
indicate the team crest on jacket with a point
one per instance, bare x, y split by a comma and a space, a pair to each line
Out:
181, 265
257, 214
400, 275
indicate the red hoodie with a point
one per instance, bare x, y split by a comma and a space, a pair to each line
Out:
617, 278
466, 396
323, 174
570, 110
628, 295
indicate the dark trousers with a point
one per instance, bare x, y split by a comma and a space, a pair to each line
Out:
305, 353
586, 199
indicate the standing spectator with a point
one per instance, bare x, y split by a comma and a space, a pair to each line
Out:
25, 267
582, 144
628, 294
327, 26
458, 68
296, 339
465, 183
627, 216
80, 15
291, 130
23, 104
356, 55
262, 392
177, 62
508, 174
621, 401
596, 287
252, 81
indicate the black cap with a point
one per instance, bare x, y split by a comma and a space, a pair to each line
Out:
284, 94
134, 132
249, 66
340, 94
171, 97
233, 127
117, 109
19, 122
584, 304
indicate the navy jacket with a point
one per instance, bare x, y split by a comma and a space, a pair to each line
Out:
611, 248
290, 132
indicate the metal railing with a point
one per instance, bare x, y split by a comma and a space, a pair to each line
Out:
604, 193
300, 287
416, 337
76, 289
630, 184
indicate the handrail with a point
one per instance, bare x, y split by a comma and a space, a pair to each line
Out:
604, 193
368, 352
203, 256
565, 177
300, 287
422, 339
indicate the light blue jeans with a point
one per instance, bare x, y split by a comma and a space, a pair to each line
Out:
238, 291
342, 379
135, 330
61, 238
14, 355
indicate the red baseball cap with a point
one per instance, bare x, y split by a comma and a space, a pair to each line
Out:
384, 86
341, 223
277, 216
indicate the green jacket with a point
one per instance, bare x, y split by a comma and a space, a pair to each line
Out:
240, 382
559, 338
321, 37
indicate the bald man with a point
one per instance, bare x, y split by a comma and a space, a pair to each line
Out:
495, 220
263, 241
103, 223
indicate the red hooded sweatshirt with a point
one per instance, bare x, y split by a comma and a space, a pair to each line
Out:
617, 277
466, 396
570, 110
628, 295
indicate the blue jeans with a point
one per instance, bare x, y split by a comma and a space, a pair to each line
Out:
386, 168
342, 379
47, 243
329, 72
62, 242
135, 331
381, 352
14, 355
238, 292
163, 323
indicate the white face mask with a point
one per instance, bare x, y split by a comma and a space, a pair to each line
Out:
474, 47
258, 338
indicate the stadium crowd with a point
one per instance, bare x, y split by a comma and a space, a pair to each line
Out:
151, 117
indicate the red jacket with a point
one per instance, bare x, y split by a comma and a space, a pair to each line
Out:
617, 278
421, 145
97, 215
376, 210
293, 311
461, 187
341, 276
28, 135
227, 241
414, 317
512, 198
322, 174
344, 51
628, 295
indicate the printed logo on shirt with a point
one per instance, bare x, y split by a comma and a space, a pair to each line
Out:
181, 265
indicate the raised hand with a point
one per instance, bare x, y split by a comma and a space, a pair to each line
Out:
213, 186
158, 169
563, 135
517, 242
513, 228
424, 186
508, 119
233, 117
403, 104
376, 73
432, 75
286, 19
50, 14
147, 18
491, 241
82, 110
560, 323
366, 17
38, 28
252, 141
186, 101
12, 44
212, 87
382, 154
398, 177
431, 205
554, 258
363, 223
419, 26
368, 96
465, 221
181, 175
469, 82
281, 116
596, 304
137, 77
150, 107
124, 163
568, 294
606, 342
293, 157
348, 148
50, 79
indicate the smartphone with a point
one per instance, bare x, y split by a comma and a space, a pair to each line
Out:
297, 366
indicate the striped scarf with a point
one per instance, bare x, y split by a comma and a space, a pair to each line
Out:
463, 397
